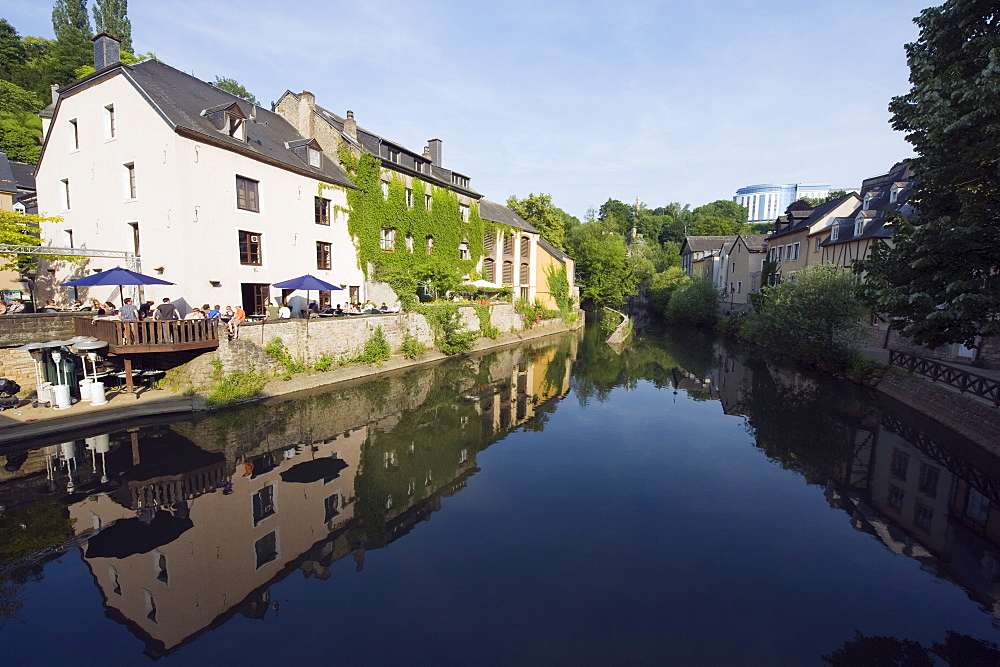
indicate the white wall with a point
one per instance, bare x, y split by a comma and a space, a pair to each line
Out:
185, 205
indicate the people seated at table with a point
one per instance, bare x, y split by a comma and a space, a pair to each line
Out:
50, 307
284, 312
228, 315
196, 314
383, 308
16, 306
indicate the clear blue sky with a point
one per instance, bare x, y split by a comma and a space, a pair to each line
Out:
667, 101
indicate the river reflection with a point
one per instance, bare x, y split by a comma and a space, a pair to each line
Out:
186, 527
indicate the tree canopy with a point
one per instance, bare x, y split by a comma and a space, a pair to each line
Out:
234, 87
111, 16
543, 215
602, 266
942, 275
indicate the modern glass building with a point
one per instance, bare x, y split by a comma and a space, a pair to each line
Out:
767, 202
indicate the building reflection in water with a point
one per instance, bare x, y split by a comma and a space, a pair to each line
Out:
921, 490
183, 526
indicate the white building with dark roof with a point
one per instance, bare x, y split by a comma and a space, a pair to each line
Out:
214, 194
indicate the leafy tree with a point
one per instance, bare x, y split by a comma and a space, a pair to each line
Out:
233, 87
718, 218
21, 229
812, 316
543, 214
69, 19
619, 214
569, 223
662, 285
111, 16
600, 254
694, 303
12, 52
834, 194
942, 277
20, 127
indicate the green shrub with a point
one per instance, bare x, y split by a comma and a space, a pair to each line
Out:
236, 385
813, 315
486, 328
276, 349
532, 312
411, 348
694, 303
325, 362
446, 323
376, 349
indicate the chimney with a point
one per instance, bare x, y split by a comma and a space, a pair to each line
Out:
351, 127
427, 152
434, 145
107, 51
55, 92
307, 105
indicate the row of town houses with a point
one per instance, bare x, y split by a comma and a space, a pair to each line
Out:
223, 198
837, 232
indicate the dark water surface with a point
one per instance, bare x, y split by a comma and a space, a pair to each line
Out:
677, 501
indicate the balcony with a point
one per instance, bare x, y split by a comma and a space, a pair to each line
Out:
151, 336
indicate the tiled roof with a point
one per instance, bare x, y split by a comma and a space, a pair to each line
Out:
879, 206
494, 212
24, 175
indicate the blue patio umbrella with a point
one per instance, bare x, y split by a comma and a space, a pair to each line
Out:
307, 282
116, 276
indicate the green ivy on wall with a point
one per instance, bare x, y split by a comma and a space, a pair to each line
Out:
401, 268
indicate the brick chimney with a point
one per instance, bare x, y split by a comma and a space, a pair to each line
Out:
434, 146
307, 105
351, 127
107, 51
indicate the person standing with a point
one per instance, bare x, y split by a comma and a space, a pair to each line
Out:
166, 313
146, 310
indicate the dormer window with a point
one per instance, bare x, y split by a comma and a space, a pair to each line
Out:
834, 232
307, 150
228, 118
859, 226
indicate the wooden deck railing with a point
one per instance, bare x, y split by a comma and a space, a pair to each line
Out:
961, 379
151, 335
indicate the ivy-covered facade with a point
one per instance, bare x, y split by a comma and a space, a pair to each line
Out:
417, 226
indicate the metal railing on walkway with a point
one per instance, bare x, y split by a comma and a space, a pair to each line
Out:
959, 378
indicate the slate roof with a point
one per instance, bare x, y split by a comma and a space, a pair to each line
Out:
180, 98
24, 175
378, 145
494, 212
815, 216
552, 250
7, 182
707, 243
879, 207
755, 242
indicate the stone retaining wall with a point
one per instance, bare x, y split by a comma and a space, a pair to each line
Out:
965, 414
17, 330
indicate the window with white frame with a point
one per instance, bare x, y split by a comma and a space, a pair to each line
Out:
266, 549
463, 250
464, 210
385, 189
795, 248
859, 226
428, 202
263, 504
387, 239
834, 232
64, 191
314, 157
247, 196
409, 197
430, 245
409, 242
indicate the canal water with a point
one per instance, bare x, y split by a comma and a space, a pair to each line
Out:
679, 500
